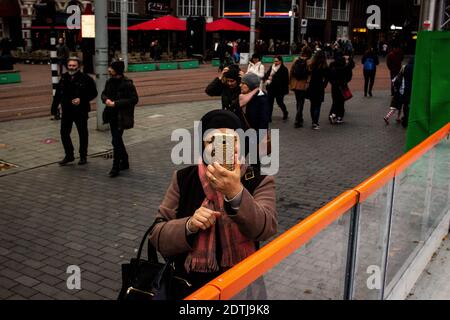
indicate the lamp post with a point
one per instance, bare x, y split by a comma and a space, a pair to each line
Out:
252, 27
101, 55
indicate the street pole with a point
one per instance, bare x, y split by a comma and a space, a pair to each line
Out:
252, 28
101, 55
292, 26
124, 31
427, 13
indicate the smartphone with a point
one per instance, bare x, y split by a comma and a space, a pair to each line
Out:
223, 146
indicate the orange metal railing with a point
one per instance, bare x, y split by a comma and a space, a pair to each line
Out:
244, 273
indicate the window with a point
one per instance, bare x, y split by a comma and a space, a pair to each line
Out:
114, 6
188, 8
316, 9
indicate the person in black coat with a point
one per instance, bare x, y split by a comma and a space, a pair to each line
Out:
370, 62
120, 98
340, 75
74, 92
320, 73
277, 85
226, 85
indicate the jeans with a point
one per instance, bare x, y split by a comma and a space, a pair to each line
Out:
280, 102
120, 154
369, 80
66, 128
300, 99
315, 111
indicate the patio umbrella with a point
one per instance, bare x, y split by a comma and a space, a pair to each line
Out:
225, 25
168, 23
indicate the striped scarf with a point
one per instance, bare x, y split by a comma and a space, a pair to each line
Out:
234, 245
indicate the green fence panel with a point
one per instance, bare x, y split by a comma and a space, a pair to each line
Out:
215, 62
430, 100
168, 65
13, 77
189, 64
141, 67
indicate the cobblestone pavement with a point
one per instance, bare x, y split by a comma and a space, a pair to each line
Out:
53, 217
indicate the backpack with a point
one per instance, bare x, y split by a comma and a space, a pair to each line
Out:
300, 71
369, 65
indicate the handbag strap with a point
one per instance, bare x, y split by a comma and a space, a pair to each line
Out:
151, 250
245, 119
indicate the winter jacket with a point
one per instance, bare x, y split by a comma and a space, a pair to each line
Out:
295, 84
230, 97
123, 92
279, 86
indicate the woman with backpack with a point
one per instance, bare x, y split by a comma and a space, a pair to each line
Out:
277, 85
299, 78
369, 61
320, 74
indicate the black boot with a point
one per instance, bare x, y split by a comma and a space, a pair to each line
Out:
114, 172
66, 160
124, 165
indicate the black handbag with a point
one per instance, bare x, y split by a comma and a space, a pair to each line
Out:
150, 279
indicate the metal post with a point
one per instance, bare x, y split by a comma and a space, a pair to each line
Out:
53, 59
252, 27
427, 12
292, 26
352, 249
101, 55
124, 31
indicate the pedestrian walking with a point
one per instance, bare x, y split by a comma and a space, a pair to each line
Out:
277, 85
120, 98
211, 218
340, 75
74, 92
402, 85
370, 62
299, 81
62, 53
255, 66
226, 85
320, 74
394, 63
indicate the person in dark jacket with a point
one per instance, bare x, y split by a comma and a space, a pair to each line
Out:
74, 92
320, 73
277, 85
370, 62
340, 75
226, 85
120, 98
394, 63
62, 52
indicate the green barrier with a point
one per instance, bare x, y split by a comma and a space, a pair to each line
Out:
10, 77
141, 67
168, 65
215, 62
430, 100
189, 64
267, 59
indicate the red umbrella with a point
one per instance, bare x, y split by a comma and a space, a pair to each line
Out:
226, 25
169, 23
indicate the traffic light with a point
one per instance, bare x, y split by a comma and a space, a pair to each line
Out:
45, 12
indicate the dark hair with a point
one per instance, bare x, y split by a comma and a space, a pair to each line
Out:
319, 61
256, 56
306, 52
280, 58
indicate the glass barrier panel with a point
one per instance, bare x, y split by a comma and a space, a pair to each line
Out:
440, 185
409, 217
314, 271
372, 243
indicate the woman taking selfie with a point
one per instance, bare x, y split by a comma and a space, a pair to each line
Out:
212, 218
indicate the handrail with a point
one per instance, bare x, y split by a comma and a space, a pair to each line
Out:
244, 273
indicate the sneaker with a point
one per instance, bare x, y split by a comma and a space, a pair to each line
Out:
339, 121
82, 161
66, 160
315, 127
386, 120
332, 118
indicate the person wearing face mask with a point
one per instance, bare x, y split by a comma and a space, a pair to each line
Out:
74, 92
120, 98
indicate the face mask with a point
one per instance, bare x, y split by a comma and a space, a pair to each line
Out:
72, 72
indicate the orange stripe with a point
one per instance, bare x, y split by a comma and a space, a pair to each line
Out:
244, 273
236, 13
